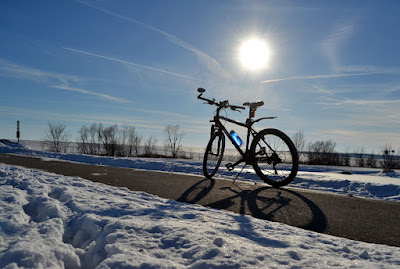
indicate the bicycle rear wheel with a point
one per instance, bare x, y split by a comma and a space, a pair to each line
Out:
274, 157
213, 155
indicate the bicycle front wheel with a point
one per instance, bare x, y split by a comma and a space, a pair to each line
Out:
213, 155
274, 157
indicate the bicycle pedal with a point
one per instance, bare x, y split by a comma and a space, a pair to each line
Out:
229, 166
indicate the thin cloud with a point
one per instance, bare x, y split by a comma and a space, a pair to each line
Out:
130, 63
51, 79
361, 102
324, 91
336, 40
383, 114
23, 72
211, 63
368, 69
45, 115
374, 139
371, 102
163, 113
378, 118
327, 76
100, 95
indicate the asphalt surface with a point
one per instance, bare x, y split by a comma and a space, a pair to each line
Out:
360, 219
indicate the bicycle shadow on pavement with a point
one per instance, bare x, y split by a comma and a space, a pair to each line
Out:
274, 204
197, 192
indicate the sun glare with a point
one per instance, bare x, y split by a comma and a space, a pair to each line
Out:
254, 54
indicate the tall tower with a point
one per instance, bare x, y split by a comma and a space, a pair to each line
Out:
18, 134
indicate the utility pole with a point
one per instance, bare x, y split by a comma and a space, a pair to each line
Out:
18, 131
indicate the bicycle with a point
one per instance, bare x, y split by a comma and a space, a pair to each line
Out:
271, 153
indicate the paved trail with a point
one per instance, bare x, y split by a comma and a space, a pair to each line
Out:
367, 220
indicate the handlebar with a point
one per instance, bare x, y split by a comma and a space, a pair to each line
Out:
221, 104
208, 101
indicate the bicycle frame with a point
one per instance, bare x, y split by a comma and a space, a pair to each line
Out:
250, 131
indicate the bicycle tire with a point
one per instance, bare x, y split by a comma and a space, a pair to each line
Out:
274, 157
213, 155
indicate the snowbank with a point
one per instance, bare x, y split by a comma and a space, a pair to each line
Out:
53, 221
8, 145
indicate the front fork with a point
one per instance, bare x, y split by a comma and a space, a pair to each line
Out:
213, 130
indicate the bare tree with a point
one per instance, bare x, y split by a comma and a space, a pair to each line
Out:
109, 138
345, 159
150, 147
173, 141
133, 141
83, 140
299, 142
389, 159
359, 154
57, 138
122, 149
94, 142
136, 144
88, 139
371, 161
323, 152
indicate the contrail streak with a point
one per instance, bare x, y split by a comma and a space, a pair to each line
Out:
320, 76
101, 95
130, 63
212, 63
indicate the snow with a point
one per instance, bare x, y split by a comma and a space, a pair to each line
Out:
55, 221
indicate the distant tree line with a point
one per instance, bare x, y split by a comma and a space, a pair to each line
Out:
322, 152
97, 139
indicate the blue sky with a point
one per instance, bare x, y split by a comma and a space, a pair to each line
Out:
334, 72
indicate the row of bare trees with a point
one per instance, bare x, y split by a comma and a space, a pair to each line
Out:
97, 139
322, 152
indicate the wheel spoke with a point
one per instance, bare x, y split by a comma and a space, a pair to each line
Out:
275, 157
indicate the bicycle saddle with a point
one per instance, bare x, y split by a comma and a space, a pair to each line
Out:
254, 105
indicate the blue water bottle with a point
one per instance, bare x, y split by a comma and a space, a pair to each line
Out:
236, 138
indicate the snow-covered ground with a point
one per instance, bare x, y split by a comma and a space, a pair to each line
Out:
54, 221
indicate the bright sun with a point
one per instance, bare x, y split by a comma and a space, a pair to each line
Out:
254, 54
